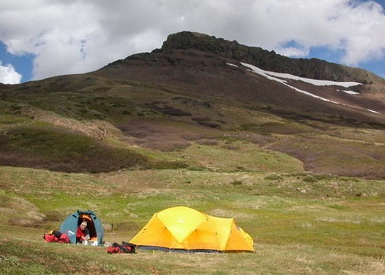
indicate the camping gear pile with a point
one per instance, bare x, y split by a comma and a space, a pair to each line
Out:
121, 248
56, 237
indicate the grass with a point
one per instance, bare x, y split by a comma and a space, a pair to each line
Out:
128, 150
355, 157
299, 226
42, 145
238, 156
269, 259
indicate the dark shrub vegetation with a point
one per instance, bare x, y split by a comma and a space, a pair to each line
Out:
62, 150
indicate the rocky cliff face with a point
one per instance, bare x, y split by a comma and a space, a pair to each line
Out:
311, 68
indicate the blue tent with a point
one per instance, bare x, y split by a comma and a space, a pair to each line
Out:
94, 225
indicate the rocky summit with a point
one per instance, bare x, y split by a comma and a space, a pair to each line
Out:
310, 68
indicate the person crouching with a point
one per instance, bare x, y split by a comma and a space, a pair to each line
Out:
82, 233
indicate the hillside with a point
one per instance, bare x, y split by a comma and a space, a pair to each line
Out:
194, 101
298, 160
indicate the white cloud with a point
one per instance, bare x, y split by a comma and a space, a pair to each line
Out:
8, 75
72, 36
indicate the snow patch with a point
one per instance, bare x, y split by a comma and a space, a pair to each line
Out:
373, 111
270, 75
316, 82
281, 78
230, 64
349, 92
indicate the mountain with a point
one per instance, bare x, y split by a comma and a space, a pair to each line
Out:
201, 63
310, 68
200, 102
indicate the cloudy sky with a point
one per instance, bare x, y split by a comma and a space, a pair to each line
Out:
43, 38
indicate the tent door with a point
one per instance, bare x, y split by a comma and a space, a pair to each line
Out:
90, 224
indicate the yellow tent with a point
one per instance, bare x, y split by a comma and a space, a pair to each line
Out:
184, 228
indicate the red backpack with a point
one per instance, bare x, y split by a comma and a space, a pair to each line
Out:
56, 237
122, 248
50, 238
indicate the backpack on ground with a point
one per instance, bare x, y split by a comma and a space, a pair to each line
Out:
122, 248
56, 236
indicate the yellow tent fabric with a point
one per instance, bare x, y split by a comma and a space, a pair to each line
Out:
184, 228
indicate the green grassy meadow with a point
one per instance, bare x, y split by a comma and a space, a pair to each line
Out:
301, 223
309, 190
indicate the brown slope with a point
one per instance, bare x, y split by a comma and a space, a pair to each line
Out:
206, 75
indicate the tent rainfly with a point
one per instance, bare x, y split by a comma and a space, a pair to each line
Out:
185, 229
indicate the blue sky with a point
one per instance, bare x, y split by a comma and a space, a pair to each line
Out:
44, 38
22, 64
